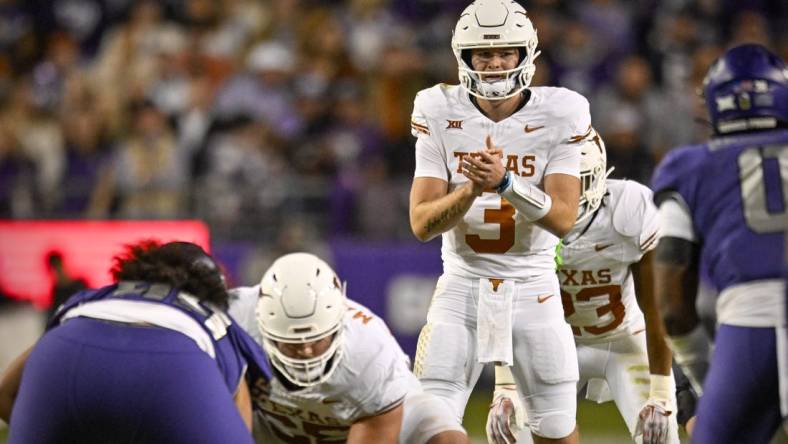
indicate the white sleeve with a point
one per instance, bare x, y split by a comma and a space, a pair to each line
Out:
635, 217
243, 302
565, 156
676, 221
652, 227
430, 158
384, 377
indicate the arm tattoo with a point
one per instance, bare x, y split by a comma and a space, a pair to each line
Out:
443, 217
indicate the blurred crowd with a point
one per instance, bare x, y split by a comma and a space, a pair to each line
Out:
281, 119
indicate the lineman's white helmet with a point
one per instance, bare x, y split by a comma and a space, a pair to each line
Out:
593, 175
301, 300
495, 24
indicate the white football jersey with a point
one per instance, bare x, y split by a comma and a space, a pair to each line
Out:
597, 286
541, 138
373, 376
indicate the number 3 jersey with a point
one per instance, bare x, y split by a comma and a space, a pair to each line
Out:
373, 377
597, 287
541, 138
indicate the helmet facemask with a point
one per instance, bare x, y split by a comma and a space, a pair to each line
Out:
593, 176
512, 82
487, 24
302, 301
306, 372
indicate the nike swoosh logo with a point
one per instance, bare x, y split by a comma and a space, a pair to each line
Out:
530, 129
601, 247
543, 298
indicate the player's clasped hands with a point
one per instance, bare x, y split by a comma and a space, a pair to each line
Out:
484, 168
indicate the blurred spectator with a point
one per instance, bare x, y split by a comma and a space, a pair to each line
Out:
245, 184
632, 95
216, 108
149, 173
18, 188
265, 90
87, 161
63, 284
578, 59
626, 150
39, 136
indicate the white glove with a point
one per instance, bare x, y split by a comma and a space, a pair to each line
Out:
506, 417
654, 418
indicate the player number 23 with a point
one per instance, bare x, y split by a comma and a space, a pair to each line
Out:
615, 307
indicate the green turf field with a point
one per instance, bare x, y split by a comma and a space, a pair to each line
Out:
599, 424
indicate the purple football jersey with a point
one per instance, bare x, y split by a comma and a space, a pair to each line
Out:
236, 351
736, 190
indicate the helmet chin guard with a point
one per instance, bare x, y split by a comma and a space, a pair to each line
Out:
301, 301
495, 24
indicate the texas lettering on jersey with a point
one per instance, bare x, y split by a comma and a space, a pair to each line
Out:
538, 140
597, 287
372, 376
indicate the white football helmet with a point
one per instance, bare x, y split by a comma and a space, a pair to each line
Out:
495, 24
301, 300
593, 175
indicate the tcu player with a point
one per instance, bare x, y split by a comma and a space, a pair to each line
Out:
727, 201
339, 373
152, 358
606, 288
497, 175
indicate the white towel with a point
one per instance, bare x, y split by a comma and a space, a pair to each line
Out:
494, 321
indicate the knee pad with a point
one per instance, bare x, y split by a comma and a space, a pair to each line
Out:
552, 425
443, 364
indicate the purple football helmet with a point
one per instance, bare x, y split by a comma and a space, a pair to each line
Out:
747, 89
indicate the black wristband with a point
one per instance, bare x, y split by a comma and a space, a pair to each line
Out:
507, 179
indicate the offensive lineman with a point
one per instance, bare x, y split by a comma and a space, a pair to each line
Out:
339, 374
605, 258
497, 175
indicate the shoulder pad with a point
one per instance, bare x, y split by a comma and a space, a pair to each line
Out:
243, 303
630, 203
563, 103
427, 104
